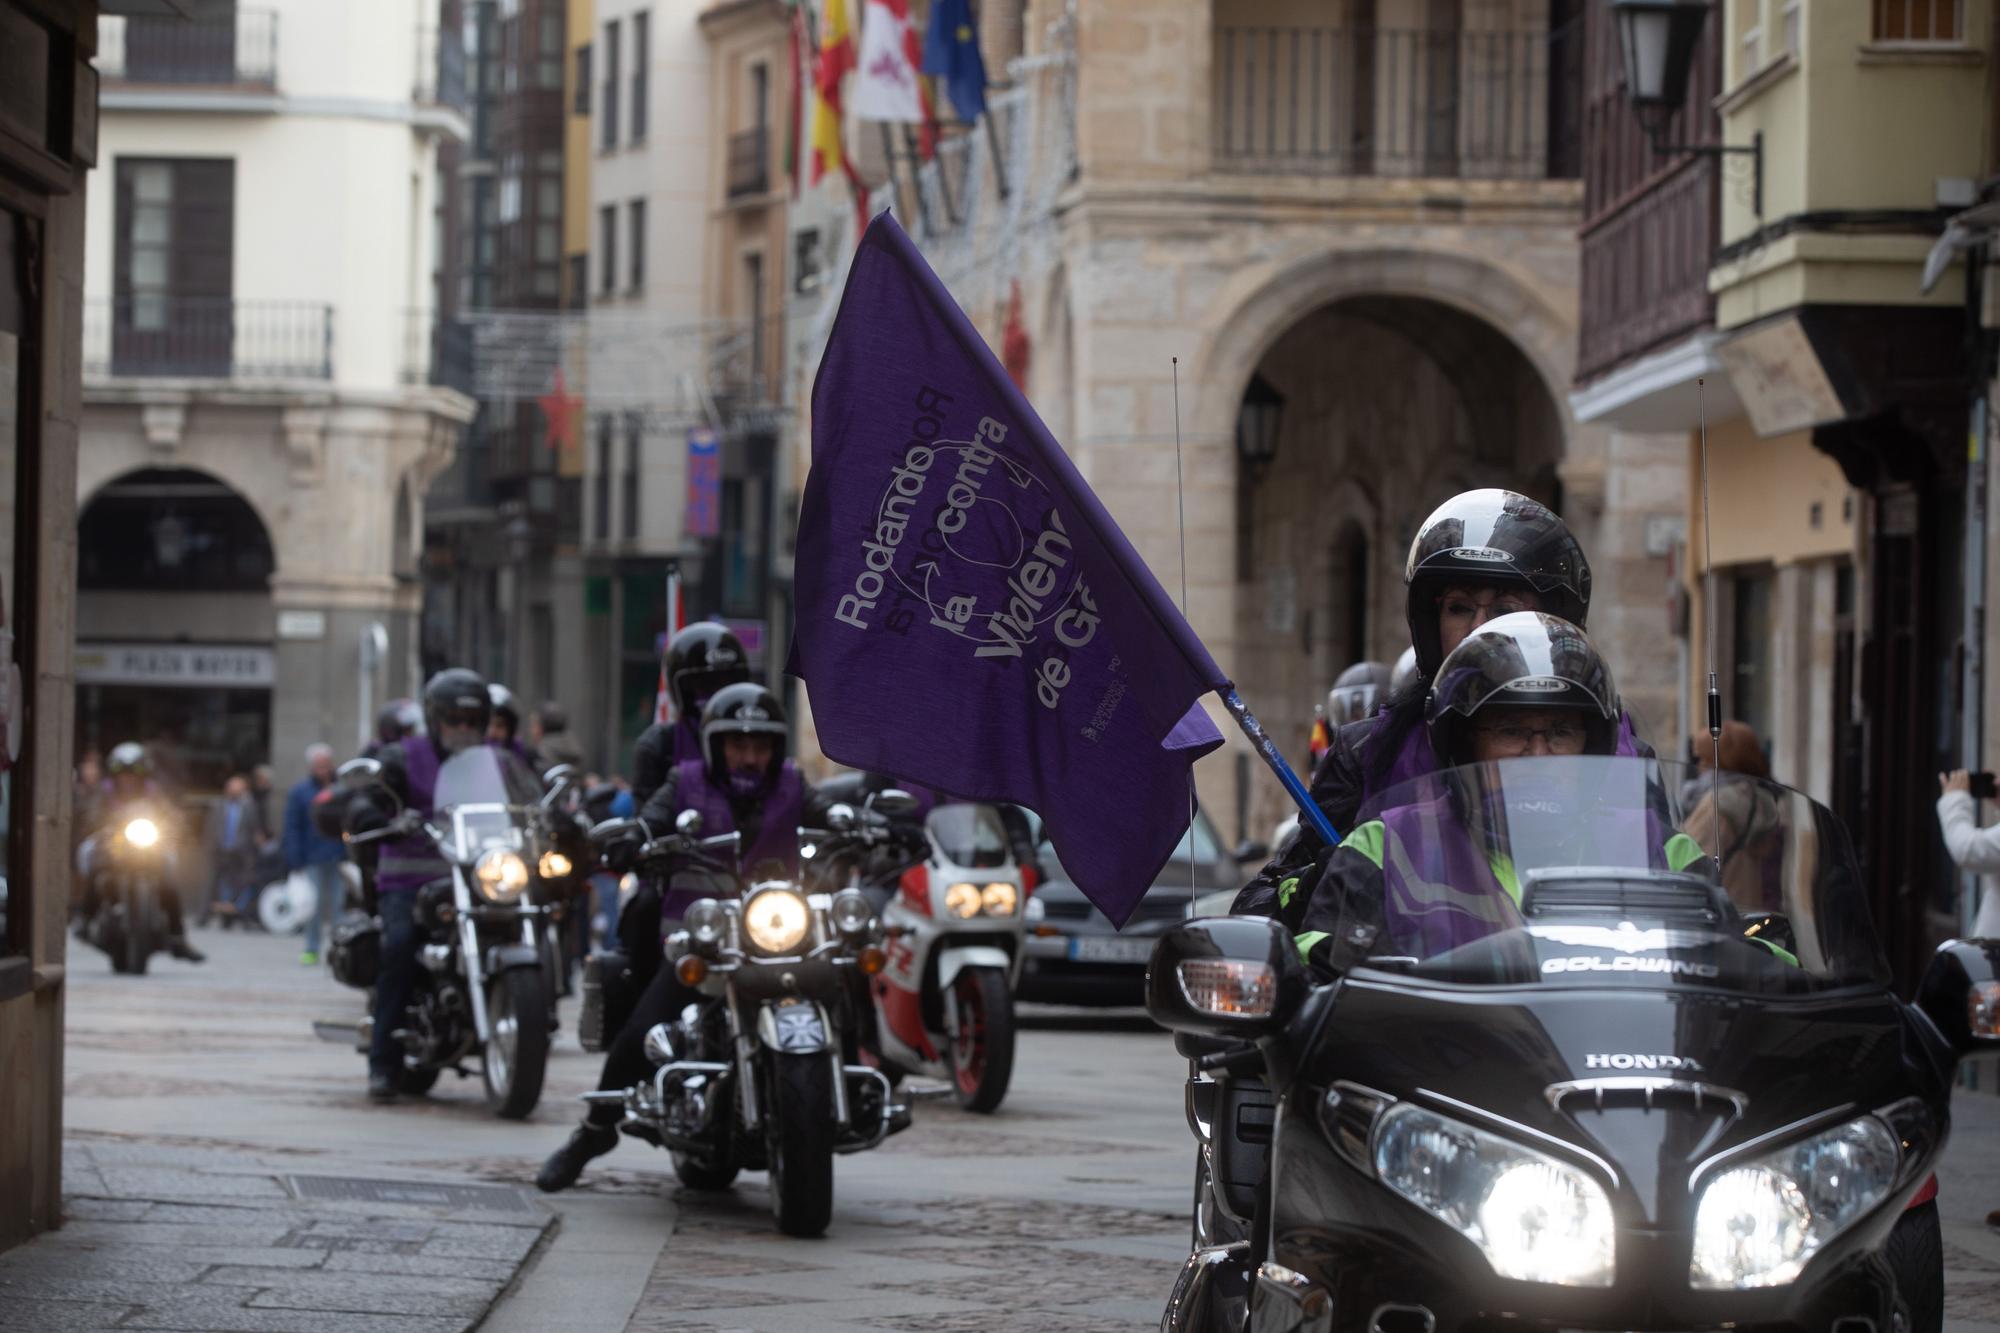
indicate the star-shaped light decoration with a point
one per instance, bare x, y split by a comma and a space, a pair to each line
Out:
559, 407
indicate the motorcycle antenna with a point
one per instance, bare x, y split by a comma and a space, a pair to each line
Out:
1708, 598
1180, 506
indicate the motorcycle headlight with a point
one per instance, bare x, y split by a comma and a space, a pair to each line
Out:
142, 833
628, 884
554, 865
1758, 1223
851, 912
1000, 899
1535, 1218
705, 922
502, 875
776, 920
962, 900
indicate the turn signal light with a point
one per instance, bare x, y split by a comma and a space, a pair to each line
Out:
872, 960
1982, 1009
692, 969
1229, 987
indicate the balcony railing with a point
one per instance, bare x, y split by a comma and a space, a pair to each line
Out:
749, 162
208, 338
1396, 102
440, 72
1645, 270
437, 351
234, 50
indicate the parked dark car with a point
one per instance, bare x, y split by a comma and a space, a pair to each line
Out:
1072, 955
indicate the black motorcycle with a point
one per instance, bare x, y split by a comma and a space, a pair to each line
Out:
1590, 1053
126, 868
760, 1071
489, 968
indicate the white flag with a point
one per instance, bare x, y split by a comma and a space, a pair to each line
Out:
887, 87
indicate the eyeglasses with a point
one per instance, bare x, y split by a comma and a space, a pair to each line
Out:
1516, 737
1494, 603
462, 717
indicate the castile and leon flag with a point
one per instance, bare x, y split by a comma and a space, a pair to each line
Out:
969, 616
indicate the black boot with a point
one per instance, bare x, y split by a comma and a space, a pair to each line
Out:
381, 1085
178, 946
565, 1164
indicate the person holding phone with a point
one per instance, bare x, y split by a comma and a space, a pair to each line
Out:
1972, 848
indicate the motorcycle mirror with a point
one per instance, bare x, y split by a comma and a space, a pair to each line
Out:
688, 823
840, 817
558, 773
893, 802
1960, 993
1250, 851
358, 773
613, 829
1224, 976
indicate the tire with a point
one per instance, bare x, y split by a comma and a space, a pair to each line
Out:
699, 1175
982, 1054
516, 1055
417, 1082
137, 945
1916, 1254
800, 1149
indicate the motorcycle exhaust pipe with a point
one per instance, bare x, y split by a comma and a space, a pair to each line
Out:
1402, 1319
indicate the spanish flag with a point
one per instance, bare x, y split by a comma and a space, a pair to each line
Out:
1321, 739
836, 59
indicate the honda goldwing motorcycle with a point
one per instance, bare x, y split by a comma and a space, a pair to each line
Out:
485, 976
126, 865
759, 1072
944, 1005
1591, 1053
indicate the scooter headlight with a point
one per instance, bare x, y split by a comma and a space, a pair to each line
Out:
1758, 1223
1536, 1219
142, 833
705, 922
850, 912
1000, 899
554, 865
502, 876
962, 900
776, 920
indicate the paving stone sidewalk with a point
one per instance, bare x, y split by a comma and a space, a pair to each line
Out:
221, 1241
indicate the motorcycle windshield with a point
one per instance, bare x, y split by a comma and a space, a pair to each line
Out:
1593, 871
481, 788
969, 835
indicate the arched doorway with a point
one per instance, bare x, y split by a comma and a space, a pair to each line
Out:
175, 625
1391, 403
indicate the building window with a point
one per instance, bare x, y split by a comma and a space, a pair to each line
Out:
753, 282
172, 266
548, 60
642, 33
636, 211
1924, 21
578, 293
607, 244
635, 434
806, 261
1791, 18
610, 101
760, 95
600, 498
582, 103
1751, 628
1749, 37
19, 373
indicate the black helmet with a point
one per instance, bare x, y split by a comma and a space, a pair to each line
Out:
131, 757
700, 661
405, 715
1492, 536
504, 709
743, 709
1357, 693
1526, 659
1405, 672
456, 691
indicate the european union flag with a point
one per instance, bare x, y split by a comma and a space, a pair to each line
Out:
951, 51
969, 617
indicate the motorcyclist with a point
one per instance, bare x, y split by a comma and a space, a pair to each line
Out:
1480, 555
398, 718
457, 712
743, 784
1357, 692
700, 660
1425, 877
131, 793
504, 731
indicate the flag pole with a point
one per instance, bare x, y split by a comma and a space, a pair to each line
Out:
1267, 748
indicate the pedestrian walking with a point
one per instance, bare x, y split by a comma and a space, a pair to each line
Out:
549, 738
1975, 850
309, 851
234, 838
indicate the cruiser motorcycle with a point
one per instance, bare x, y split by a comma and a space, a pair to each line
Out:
1625, 1057
489, 963
759, 1071
126, 867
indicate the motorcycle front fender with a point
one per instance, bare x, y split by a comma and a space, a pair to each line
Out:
796, 1027
506, 957
961, 956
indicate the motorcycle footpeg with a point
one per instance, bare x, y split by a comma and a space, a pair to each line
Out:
642, 1131
914, 1094
602, 1098
899, 1117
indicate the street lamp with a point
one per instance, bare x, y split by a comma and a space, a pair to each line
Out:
1657, 41
1257, 422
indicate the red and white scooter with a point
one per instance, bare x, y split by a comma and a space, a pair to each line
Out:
944, 1004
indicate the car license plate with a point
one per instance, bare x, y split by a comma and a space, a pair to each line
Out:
1110, 949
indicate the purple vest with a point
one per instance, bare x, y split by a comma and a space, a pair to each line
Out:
777, 837
408, 864
687, 741
1418, 760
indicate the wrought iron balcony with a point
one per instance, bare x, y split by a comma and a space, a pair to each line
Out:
1397, 102
749, 162
437, 351
207, 338
235, 50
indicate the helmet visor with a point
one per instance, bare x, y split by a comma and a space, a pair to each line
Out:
1525, 659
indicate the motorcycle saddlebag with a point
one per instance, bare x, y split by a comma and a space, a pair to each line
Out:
356, 953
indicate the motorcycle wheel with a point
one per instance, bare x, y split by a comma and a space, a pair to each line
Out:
137, 945
517, 1053
1916, 1254
801, 1143
982, 1054
700, 1175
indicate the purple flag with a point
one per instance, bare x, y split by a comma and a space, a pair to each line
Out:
704, 485
969, 617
